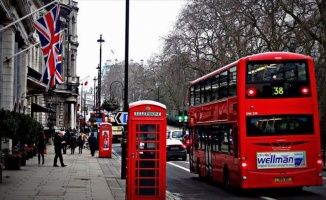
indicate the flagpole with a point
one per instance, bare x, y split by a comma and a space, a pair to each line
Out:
18, 20
22, 51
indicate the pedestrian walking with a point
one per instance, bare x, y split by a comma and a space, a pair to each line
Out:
73, 143
41, 147
57, 148
80, 142
92, 141
85, 138
65, 142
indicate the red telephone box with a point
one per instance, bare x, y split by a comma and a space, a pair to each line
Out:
105, 140
146, 153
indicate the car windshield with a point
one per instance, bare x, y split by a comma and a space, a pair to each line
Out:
177, 134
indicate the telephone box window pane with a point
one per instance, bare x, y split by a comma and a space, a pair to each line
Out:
147, 164
147, 191
150, 146
147, 127
147, 182
147, 155
147, 173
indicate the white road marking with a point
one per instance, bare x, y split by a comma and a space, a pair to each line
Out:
179, 166
267, 198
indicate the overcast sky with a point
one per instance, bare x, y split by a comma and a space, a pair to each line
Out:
148, 21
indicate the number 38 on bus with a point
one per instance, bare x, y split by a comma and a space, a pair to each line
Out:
254, 123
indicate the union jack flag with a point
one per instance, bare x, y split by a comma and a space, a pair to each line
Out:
48, 28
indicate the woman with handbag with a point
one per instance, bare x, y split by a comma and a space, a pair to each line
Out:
41, 147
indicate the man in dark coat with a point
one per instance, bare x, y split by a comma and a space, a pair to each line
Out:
65, 138
57, 148
73, 143
92, 141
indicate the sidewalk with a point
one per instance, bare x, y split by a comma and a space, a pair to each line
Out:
85, 177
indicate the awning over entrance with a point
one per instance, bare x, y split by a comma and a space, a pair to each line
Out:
38, 108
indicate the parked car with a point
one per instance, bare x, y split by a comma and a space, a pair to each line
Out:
175, 149
186, 141
175, 134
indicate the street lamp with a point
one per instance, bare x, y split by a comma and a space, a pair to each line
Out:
84, 109
81, 105
100, 74
95, 79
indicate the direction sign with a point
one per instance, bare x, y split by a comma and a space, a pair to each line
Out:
121, 118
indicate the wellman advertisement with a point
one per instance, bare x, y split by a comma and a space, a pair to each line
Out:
286, 159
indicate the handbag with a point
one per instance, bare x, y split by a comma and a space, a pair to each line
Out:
44, 151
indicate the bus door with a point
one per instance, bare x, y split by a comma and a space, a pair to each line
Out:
208, 151
192, 148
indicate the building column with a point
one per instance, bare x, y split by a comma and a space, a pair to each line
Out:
23, 83
8, 50
72, 115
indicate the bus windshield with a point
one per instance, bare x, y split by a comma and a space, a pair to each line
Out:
279, 125
277, 79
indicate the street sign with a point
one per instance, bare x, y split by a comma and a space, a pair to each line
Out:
121, 118
99, 121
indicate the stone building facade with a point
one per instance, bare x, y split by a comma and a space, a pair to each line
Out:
22, 63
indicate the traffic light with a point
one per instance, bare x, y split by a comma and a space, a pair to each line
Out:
183, 118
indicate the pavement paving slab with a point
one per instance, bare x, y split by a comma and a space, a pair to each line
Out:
84, 178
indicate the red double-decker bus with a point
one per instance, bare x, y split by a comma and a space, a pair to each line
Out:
254, 123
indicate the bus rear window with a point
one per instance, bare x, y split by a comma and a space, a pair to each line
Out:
280, 125
277, 79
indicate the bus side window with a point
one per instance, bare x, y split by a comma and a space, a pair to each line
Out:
233, 81
224, 132
215, 88
223, 89
215, 141
201, 139
231, 140
197, 94
225, 142
208, 91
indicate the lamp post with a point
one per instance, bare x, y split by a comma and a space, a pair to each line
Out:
99, 75
84, 109
125, 102
98, 94
81, 105
95, 79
